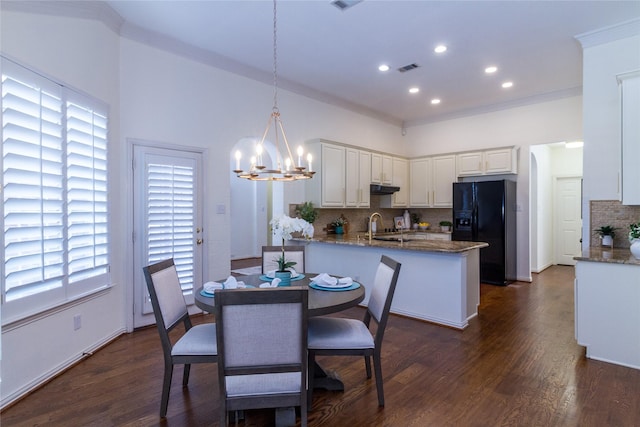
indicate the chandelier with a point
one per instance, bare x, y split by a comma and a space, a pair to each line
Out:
287, 169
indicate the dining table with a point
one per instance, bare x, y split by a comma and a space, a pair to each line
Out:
321, 302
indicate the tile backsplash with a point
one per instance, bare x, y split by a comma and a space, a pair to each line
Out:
614, 213
358, 218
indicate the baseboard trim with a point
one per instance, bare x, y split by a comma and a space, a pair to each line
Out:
43, 379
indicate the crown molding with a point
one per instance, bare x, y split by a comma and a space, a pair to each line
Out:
609, 34
521, 102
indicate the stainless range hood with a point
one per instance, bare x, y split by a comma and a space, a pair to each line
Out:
378, 189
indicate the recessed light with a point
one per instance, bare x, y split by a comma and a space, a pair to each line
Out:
435, 101
490, 70
440, 48
383, 67
507, 85
414, 90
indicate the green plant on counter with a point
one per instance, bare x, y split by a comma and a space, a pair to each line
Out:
307, 212
415, 218
446, 223
606, 230
634, 232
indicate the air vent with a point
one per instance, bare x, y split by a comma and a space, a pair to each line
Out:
345, 4
408, 67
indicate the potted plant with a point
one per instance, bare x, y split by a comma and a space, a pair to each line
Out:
338, 225
282, 227
307, 212
606, 233
634, 238
445, 225
415, 220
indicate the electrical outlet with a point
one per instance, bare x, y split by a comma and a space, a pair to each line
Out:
77, 322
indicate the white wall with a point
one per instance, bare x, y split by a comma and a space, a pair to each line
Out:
605, 54
542, 123
84, 55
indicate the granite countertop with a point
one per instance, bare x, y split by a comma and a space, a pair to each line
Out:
413, 245
614, 256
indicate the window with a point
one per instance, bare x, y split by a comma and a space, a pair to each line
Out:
54, 194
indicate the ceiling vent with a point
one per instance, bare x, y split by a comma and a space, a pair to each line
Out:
408, 67
345, 4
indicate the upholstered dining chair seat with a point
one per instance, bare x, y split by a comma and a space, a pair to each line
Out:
337, 333
263, 384
197, 341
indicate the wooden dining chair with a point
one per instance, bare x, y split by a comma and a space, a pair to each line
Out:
348, 337
262, 343
270, 255
196, 345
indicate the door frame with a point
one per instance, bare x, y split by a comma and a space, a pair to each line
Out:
556, 212
128, 288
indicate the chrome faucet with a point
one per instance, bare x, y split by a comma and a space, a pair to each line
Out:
370, 221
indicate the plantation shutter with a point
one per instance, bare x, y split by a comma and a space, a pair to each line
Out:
54, 194
32, 151
87, 227
170, 212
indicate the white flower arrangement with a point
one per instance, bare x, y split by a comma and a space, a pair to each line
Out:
282, 227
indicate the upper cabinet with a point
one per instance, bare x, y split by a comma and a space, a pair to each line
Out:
488, 162
357, 178
630, 131
444, 175
431, 181
327, 188
381, 169
400, 178
420, 189
342, 178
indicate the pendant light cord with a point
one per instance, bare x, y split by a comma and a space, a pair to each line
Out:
275, 59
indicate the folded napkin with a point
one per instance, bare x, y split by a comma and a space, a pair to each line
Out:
273, 284
272, 273
230, 283
323, 279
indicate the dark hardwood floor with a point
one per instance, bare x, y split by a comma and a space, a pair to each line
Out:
517, 364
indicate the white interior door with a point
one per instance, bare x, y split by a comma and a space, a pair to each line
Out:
167, 220
568, 222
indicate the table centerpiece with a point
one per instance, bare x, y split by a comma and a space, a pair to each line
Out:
282, 228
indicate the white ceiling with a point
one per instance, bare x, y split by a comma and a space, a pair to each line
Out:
333, 55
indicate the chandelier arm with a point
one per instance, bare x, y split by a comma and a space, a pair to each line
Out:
286, 143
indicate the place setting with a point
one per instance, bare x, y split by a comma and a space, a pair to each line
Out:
209, 288
325, 282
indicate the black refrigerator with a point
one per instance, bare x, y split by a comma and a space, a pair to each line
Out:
485, 211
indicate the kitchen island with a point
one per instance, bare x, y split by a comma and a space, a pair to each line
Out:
607, 305
439, 280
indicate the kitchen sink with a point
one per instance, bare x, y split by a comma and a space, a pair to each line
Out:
391, 239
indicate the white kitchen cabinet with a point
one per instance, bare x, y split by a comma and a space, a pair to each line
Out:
630, 131
420, 183
431, 180
488, 162
381, 169
607, 311
327, 188
400, 178
357, 178
444, 175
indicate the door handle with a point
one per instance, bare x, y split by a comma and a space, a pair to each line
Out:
199, 241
